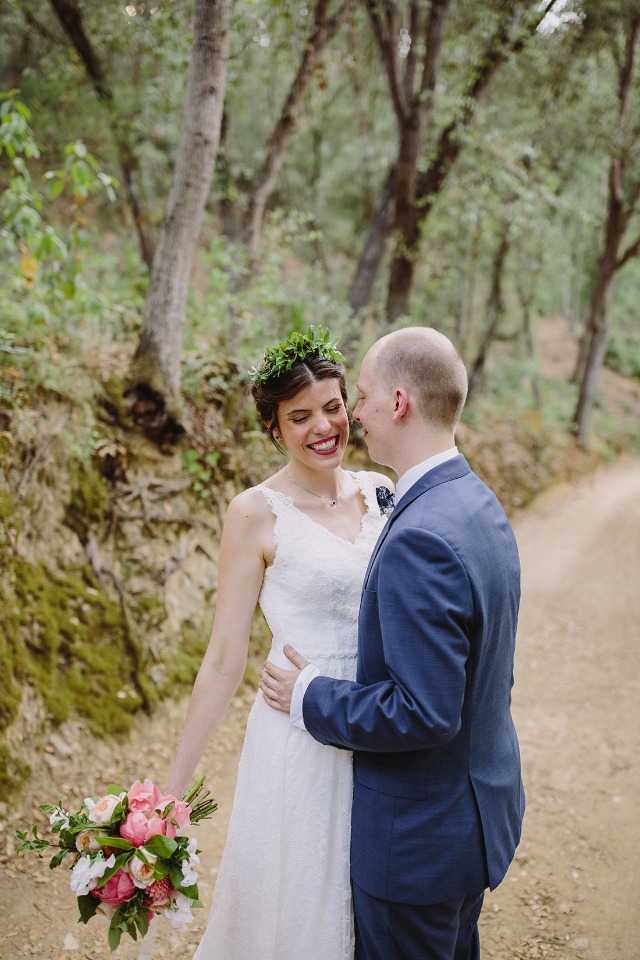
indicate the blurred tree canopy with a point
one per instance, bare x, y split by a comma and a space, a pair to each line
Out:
468, 165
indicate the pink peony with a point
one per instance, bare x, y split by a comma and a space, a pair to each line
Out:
143, 796
117, 889
157, 825
180, 812
134, 828
138, 829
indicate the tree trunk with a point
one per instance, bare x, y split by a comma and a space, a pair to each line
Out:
526, 302
412, 125
324, 31
596, 337
70, 16
154, 378
495, 311
466, 314
619, 210
369, 262
596, 353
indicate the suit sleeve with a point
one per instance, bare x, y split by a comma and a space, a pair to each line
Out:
425, 607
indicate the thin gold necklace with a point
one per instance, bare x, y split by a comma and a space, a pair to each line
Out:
332, 503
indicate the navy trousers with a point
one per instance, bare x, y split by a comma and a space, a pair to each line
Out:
399, 931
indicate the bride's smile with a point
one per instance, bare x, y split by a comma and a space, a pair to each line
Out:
324, 447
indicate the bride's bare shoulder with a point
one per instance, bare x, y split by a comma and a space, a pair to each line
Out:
250, 504
380, 479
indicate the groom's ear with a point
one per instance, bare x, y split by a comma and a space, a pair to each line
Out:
401, 400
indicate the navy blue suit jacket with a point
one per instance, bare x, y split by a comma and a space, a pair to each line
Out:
438, 797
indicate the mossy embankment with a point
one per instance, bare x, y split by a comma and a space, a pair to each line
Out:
108, 554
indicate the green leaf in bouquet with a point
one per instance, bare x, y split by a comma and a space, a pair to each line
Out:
109, 872
142, 923
177, 879
115, 790
128, 918
141, 855
47, 808
191, 892
119, 812
59, 857
115, 934
88, 907
119, 843
38, 843
161, 846
160, 869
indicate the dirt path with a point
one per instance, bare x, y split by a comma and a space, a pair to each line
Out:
573, 889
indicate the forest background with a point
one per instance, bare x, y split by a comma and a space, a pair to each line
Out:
182, 184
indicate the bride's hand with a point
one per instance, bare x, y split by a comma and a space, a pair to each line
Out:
277, 683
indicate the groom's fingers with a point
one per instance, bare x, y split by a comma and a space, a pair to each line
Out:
271, 683
296, 658
271, 701
276, 685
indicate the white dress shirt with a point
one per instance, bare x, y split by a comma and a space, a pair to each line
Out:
404, 484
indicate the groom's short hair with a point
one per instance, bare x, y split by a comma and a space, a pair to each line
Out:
426, 363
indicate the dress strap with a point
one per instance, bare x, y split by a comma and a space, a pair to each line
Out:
368, 488
276, 500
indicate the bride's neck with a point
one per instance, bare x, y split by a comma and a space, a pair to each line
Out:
324, 483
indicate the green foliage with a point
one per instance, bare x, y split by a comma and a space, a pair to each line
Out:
184, 663
623, 355
201, 468
49, 258
314, 342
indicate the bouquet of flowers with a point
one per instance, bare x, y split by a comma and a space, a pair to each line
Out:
130, 856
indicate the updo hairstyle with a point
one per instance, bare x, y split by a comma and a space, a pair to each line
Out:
269, 395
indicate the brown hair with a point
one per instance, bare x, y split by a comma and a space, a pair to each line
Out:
269, 395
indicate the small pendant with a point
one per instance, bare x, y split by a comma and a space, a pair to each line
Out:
332, 503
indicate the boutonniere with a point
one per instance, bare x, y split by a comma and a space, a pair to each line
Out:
386, 501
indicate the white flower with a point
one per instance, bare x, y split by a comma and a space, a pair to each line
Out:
87, 872
59, 817
189, 874
101, 811
87, 841
140, 872
179, 912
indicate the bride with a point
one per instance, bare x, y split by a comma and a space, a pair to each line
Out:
298, 544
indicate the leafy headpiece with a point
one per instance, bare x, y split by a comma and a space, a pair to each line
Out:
316, 342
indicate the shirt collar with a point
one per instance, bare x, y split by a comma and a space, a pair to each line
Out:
412, 475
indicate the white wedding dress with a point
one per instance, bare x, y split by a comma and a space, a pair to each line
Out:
283, 889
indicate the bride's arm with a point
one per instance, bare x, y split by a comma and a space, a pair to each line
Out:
240, 572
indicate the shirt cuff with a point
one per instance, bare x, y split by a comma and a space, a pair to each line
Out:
309, 673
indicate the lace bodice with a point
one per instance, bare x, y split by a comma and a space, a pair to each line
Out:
311, 593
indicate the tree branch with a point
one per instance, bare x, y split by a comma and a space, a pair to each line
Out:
384, 39
323, 32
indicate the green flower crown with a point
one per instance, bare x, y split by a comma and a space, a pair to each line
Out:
317, 341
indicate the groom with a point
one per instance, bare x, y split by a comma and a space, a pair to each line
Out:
438, 799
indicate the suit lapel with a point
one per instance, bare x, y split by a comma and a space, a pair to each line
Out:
449, 470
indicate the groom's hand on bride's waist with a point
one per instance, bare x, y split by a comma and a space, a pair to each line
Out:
277, 683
